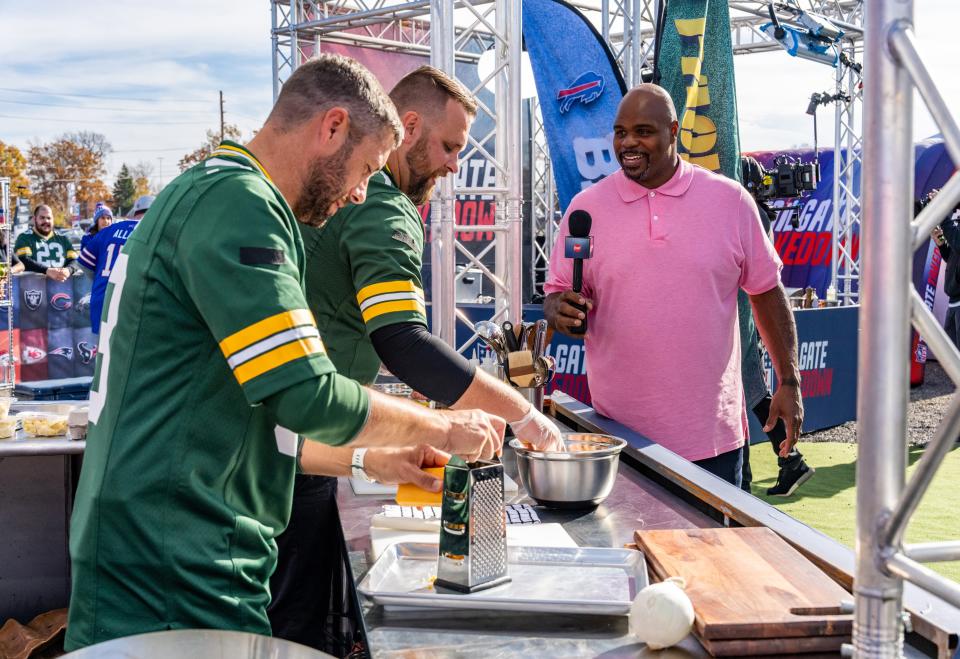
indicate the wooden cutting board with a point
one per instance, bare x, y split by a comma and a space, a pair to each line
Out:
748, 583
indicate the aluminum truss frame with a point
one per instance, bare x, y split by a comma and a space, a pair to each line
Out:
300, 26
885, 500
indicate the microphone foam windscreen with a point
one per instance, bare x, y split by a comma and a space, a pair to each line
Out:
580, 222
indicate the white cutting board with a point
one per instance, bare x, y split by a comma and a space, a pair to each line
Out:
390, 491
518, 535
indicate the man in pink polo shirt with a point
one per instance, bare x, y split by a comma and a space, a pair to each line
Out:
673, 243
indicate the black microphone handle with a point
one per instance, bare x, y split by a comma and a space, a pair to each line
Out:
577, 287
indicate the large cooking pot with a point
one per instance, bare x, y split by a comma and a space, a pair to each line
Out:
581, 477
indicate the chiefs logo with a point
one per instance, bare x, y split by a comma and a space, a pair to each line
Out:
33, 355
61, 301
33, 298
87, 351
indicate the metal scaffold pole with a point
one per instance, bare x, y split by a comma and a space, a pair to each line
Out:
885, 335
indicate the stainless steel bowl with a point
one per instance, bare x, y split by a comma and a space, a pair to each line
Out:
580, 478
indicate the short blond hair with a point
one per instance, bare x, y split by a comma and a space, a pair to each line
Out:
427, 89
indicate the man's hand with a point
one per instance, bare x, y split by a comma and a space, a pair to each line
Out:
787, 405
540, 432
474, 434
405, 465
58, 274
562, 315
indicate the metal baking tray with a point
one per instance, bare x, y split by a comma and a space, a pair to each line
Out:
585, 580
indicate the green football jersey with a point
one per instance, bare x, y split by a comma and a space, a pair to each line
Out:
363, 273
187, 478
53, 251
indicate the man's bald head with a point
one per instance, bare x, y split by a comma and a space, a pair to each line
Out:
645, 135
653, 98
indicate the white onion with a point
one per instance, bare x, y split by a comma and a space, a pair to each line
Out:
662, 614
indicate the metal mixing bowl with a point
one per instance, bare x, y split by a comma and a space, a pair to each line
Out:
580, 478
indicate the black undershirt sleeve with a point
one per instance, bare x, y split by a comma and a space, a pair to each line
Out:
423, 362
32, 266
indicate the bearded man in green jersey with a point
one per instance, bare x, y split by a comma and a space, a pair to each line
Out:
211, 368
41, 249
364, 288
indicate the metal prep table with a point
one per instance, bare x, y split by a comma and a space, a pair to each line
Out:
654, 489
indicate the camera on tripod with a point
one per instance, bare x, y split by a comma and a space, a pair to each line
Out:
787, 179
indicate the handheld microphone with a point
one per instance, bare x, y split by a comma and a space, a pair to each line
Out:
579, 246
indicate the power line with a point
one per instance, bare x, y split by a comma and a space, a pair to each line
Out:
112, 98
99, 107
102, 121
184, 148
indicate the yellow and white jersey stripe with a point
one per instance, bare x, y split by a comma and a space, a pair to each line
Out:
388, 297
236, 152
271, 343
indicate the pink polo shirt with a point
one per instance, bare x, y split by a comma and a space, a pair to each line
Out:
662, 341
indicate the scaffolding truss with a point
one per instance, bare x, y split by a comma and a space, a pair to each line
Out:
461, 30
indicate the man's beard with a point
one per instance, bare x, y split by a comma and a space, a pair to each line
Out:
421, 183
324, 186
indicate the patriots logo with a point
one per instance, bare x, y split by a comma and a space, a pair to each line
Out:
61, 302
33, 298
83, 304
87, 351
66, 352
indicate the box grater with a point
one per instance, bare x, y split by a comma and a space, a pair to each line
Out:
473, 527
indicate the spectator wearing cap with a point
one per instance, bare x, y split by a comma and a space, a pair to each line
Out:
100, 253
102, 218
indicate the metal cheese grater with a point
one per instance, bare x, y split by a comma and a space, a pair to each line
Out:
473, 527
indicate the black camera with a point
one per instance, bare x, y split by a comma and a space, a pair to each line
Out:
787, 179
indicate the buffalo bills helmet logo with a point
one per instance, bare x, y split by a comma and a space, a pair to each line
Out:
87, 351
61, 301
66, 352
33, 298
585, 89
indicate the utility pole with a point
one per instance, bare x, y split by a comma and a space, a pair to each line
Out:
221, 116
160, 174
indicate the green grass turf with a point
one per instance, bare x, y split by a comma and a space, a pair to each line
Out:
827, 502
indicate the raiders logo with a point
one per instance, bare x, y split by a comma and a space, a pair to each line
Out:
33, 298
87, 351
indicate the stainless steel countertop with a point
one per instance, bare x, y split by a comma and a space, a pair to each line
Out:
22, 444
635, 503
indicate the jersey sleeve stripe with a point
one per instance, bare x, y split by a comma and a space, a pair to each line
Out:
268, 344
393, 307
389, 297
86, 259
260, 330
277, 358
406, 286
72, 254
24, 251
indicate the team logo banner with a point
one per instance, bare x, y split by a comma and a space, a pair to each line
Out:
579, 86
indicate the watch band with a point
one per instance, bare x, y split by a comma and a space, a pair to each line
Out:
356, 465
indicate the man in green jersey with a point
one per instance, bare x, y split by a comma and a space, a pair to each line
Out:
41, 249
365, 290
211, 366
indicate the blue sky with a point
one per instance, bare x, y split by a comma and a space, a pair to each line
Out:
147, 76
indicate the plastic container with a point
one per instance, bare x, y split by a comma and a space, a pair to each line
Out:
8, 426
77, 422
43, 424
5, 403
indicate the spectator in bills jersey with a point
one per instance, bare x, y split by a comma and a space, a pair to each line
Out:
101, 250
102, 218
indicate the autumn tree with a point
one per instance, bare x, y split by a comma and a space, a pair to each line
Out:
142, 174
124, 191
56, 167
230, 132
14, 166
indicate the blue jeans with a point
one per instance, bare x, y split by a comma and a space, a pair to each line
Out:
728, 466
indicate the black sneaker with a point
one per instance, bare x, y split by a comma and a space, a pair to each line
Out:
788, 480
